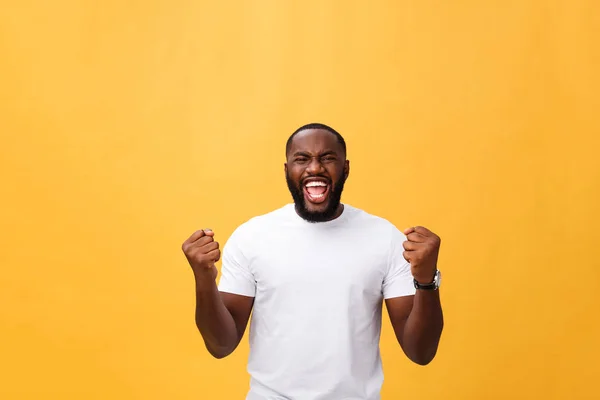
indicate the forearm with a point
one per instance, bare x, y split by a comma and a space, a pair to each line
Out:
214, 321
423, 327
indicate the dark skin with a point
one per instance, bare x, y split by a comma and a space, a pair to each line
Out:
313, 156
222, 318
418, 320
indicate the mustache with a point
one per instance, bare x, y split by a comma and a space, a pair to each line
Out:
326, 179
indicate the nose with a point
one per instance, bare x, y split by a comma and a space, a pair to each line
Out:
314, 167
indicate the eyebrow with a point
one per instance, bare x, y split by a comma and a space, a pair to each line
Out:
305, 154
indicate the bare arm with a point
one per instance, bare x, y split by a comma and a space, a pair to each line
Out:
418, 320
221, 318
418, 323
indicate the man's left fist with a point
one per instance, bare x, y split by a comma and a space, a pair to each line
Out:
421, 251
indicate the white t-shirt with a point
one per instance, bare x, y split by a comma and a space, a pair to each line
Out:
318, 289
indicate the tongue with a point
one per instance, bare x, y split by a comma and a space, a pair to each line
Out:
316, 190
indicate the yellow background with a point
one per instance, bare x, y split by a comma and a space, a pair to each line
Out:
128, 125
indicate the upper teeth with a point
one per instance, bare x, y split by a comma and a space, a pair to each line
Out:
315, 183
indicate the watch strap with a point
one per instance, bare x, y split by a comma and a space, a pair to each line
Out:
434, 285
426, 286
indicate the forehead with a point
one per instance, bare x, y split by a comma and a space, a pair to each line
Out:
315, 141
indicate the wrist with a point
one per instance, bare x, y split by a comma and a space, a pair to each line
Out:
426, 279
204, 280
432, 284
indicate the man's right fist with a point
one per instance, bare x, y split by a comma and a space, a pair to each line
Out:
202, 253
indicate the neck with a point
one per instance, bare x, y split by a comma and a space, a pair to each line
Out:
338, 212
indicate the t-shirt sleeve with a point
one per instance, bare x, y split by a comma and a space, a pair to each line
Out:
236, 276
398, 280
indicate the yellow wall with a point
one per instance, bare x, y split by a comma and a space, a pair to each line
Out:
127, 125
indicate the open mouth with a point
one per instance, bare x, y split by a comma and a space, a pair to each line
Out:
316, 190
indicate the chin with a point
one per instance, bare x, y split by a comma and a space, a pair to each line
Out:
316, 208
317, 213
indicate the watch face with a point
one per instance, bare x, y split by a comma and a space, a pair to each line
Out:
438, 278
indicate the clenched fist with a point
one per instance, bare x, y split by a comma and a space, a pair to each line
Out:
421, 251
202, 253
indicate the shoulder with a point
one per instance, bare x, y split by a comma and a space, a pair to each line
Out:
372, 222
376, 229
261, 223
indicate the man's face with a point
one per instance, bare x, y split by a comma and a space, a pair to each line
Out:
316, 170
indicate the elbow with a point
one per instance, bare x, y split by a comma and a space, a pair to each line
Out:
219, 353
422, 360
423, 356
220, 347
218, 356
422, 348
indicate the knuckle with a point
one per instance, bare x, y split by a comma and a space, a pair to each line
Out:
204, 241
200, 259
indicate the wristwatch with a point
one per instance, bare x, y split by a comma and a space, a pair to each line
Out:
437, 279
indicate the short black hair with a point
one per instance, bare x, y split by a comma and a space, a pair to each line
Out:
315, 125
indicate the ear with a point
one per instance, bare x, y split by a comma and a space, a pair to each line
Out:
285, 168
347, 168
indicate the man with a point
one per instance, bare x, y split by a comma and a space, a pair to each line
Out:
315, 274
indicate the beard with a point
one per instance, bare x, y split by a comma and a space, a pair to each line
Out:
335, 196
